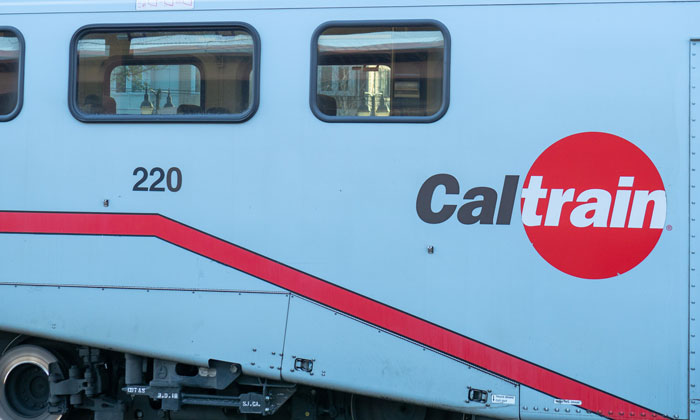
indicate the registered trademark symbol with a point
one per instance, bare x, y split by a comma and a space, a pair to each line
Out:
669, 227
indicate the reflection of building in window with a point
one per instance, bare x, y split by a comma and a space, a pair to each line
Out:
357, 90
194, 71
380, 71
181, 80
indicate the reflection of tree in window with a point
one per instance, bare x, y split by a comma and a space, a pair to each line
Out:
120, 76
327, 78
343, 75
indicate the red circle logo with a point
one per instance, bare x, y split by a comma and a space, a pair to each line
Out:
593, 205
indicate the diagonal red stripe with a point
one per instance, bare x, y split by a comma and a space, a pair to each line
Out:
335, 297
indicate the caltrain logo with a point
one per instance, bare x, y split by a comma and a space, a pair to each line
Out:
593, 204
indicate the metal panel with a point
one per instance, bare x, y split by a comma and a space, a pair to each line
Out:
361, 358
535, 405
192, 327
138, 262
694, 293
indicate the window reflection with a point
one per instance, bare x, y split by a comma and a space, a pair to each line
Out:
380, 71
9, 72
188, 72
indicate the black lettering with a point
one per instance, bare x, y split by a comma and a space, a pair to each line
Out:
505, 208
487, 206
161, 175
425, 198
174, 172
137, 186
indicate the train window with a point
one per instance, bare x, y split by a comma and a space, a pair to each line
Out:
160, 73
380, 72
11, 63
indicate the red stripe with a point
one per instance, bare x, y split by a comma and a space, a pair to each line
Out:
333, 296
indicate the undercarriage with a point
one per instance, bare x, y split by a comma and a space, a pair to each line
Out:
45, 380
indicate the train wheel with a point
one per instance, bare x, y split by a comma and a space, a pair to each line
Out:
24, 390
365, 408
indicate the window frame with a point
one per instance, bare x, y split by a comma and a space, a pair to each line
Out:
74, 107
388, 119
20, 74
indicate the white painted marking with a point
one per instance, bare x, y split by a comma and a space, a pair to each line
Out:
144, 5
502, 399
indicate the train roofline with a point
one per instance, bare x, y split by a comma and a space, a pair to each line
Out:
110, 6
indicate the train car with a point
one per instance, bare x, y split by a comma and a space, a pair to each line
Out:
351, 210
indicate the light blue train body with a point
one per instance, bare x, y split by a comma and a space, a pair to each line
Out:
337, 202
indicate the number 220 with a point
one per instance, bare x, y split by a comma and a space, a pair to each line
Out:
173, 179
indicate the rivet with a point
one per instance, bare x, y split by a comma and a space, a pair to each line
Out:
105, 203
252, 363
644, 414
534, 408
578, 410
255, 349
546, 409
273, 353
556, 409
567, 410
524, 407
610, 412
631, 413
622, 413
272, 367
